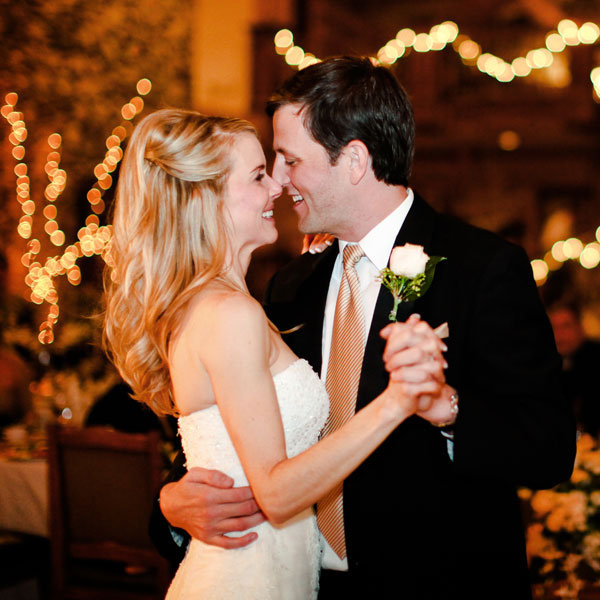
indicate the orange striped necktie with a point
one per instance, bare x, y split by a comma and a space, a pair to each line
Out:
343, 376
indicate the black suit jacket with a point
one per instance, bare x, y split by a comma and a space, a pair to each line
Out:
419, 525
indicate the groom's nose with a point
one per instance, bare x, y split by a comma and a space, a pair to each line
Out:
280, 171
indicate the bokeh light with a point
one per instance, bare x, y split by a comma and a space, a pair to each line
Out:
143, 87
540, 270
509, 140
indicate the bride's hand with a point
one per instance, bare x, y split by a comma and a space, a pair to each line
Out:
413, 352
413, 357
413, 398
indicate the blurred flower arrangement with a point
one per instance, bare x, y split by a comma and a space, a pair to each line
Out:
67, 395
563, 536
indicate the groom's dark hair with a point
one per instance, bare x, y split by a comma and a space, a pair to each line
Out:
348, 98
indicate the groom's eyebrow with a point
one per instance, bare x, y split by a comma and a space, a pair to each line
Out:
286, 153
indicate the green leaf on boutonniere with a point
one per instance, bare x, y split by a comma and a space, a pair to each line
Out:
427, 280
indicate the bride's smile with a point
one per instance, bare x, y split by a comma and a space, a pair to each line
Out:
249, 198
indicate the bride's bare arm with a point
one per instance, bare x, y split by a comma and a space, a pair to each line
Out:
235, 352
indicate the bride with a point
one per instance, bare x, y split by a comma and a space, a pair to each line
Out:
193, 202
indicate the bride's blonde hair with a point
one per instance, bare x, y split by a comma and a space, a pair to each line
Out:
169, 240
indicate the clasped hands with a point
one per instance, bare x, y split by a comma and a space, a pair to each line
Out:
413, 357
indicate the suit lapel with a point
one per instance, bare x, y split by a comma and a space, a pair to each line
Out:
416, 229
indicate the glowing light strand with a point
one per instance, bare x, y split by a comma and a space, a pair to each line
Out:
93, 239
567, 33
588, 256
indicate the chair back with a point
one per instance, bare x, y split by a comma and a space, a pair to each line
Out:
102, 486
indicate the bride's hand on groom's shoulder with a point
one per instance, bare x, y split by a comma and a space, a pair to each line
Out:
317, 242
206, 505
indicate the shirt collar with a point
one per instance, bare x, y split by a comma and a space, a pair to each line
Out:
378, 243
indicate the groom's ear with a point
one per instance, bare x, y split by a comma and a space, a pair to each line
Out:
358, 160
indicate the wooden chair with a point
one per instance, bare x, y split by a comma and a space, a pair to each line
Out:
102, 485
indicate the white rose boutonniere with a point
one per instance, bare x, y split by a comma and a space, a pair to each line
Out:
409, 260
409, 275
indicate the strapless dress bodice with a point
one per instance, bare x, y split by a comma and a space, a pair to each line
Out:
284, 561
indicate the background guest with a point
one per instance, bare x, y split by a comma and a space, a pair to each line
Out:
581, 357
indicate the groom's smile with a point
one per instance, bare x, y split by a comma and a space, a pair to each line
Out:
304, 168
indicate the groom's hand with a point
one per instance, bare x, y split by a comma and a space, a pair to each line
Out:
413, 355
206, 505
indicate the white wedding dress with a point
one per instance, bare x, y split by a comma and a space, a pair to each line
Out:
283, 563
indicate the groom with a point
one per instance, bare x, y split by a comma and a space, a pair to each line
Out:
433, 513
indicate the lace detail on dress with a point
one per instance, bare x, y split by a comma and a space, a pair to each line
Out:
284, 561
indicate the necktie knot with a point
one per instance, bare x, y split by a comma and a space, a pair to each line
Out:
352, 254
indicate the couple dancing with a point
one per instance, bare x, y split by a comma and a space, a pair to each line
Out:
428, 507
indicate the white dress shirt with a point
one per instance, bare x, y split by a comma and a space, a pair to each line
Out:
377, 246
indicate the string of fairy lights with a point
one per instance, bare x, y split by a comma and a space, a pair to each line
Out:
93, 238
567, 34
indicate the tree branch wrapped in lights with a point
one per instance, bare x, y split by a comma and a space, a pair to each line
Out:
93, 239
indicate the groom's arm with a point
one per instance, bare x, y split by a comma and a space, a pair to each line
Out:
202, 503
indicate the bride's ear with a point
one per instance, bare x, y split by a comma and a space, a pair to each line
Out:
358, 160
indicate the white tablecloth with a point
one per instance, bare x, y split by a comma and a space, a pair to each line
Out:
24, 496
